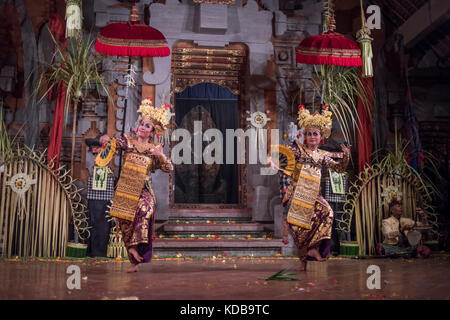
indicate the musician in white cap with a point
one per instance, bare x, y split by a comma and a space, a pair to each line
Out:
396, 229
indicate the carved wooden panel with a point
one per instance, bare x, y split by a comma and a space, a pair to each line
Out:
226, 67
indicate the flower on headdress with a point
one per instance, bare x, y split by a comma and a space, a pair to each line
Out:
161, 116
390, 193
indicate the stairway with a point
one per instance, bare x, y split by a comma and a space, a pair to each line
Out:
228, 233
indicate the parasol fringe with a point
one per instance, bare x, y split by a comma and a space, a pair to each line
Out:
131, 51
337, 61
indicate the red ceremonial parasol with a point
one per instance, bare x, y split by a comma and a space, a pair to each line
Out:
131, 38
329, 48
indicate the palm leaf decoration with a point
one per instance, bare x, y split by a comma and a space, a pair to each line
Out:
283, 275
5, 142
339, 87
389, 168
79, 69
396, 163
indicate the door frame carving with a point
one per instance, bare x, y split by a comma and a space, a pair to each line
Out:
226, 67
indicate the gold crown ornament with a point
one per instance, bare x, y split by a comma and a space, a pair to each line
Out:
322, 121
391, 193
160, 117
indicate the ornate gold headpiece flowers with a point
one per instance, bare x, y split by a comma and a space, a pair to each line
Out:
391, 193
160, 117
322, 121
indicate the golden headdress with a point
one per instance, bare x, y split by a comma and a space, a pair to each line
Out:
322, 121
160, 117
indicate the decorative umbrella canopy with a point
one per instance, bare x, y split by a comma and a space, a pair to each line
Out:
329, 48
131, 38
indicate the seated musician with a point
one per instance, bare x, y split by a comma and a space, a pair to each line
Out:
395, 231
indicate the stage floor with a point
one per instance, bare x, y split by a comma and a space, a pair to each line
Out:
229, 279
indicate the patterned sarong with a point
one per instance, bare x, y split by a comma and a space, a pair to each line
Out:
305, 194
130, 185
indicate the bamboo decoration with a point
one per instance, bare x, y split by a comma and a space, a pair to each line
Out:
41, 230
364, 199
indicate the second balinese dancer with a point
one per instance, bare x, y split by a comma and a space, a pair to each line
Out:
134, 202
309, 216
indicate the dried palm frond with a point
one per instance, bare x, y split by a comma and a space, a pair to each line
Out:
364, 195
6, 150
78, 68
283, 275
5, 142
340, 86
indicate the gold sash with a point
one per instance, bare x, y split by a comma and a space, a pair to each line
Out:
305, 194
130, 185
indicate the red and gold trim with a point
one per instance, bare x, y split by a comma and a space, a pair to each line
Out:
329, 48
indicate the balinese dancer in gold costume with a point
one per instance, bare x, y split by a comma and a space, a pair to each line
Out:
133, 204
309, 216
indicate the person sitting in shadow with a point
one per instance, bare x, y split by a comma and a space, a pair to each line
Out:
395, 231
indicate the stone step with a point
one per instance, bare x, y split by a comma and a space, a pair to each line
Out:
188, 247
212, 214
213, 228
186, 220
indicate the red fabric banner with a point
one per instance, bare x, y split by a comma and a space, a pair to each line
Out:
365, 144
57, 27
54, 145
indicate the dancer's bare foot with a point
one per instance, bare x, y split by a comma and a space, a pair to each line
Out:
133, 268
135, 254
285, 237
314, 253
302, 265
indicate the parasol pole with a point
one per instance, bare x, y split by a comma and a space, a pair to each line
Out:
125, 109
331, 27
323, 93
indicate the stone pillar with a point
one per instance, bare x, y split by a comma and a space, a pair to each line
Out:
278, 220
260, 208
